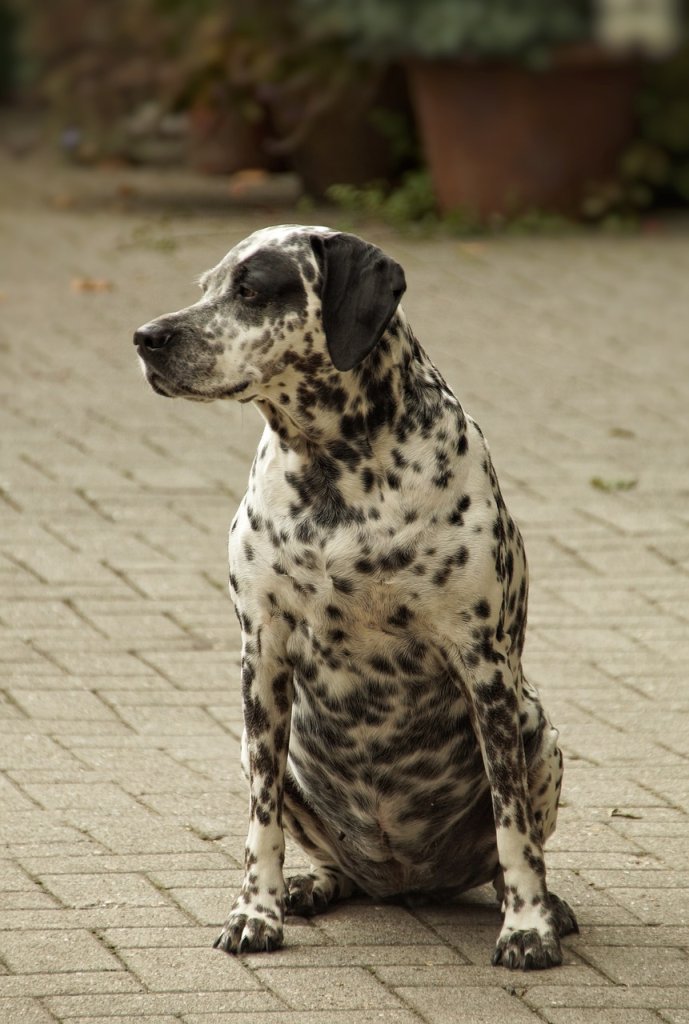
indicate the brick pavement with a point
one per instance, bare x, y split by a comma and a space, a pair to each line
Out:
123, 809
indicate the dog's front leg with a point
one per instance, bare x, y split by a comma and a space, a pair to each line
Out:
529, 938
256, 919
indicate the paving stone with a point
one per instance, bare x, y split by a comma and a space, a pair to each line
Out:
477, 1005
140, 831
29, 750
99, 862
178, 937
59, 983
28, 1011
373, 925
137, 1006
315, 1017
337, 988
83, 891
169, 970
573, 972
107, 915
28, 899
655, 906
101, 795
607, 997
170, 721
650, 965
633, 935
148, 1019
607, 1016
206, 905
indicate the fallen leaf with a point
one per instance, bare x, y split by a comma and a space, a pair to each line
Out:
617, 813
63, 201
476, 250
91, 284
612, 485
126, 191
245, 181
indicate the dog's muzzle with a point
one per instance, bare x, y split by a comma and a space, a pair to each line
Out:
150, 342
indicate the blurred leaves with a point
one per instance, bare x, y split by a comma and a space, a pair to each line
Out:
387, 29
654, 170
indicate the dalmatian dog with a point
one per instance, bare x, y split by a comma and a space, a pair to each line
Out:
381, 588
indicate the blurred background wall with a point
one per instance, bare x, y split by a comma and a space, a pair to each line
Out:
478, 109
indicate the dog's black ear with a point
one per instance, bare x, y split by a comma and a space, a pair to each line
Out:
361, 289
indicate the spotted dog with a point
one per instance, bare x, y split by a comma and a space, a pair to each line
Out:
381, 587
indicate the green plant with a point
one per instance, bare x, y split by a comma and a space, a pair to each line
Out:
411, 207
9, 64
442, 28
654, 170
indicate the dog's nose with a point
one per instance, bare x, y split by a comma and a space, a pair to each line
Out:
153, 336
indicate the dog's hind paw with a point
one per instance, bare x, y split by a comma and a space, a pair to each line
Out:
305, 896
562, 915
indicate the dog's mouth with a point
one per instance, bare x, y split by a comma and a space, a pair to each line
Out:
163, 387
158, 383
236, 389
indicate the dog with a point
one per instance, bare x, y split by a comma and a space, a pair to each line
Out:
381, 588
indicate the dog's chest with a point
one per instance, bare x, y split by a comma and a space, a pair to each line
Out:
373, 551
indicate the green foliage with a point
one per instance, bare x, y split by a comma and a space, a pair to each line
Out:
8, 49
385, 29
664, 128
411, 207
654, 170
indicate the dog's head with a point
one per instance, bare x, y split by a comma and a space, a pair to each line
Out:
285, 298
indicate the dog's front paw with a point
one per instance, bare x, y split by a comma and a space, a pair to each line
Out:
527, 950
252, 928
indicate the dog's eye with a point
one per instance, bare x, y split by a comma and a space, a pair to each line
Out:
245, 292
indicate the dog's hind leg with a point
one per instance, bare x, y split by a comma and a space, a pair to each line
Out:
325, 882
545, 782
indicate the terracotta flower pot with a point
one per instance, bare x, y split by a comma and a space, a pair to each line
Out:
329, 136
502, 138
222, 140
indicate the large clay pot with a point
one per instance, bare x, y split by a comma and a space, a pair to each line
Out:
502, 139
221, 138
330, 137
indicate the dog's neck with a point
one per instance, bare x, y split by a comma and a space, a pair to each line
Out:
364, 413
340, 438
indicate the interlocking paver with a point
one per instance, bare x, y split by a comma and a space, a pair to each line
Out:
607, 1016
73, 950
169, 970
482, 1005
337, 988
28, 1011
123, 805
